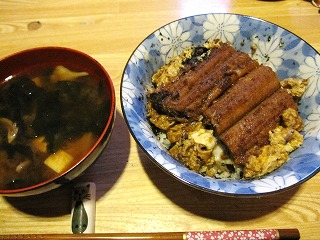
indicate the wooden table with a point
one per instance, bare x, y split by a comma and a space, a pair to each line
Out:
133, 194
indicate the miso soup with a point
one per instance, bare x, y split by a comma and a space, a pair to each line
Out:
49, 119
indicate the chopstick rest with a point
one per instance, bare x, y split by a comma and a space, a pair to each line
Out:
83, 208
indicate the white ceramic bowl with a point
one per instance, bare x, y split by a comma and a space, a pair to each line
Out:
286, 53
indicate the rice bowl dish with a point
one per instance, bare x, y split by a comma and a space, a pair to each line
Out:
287, 54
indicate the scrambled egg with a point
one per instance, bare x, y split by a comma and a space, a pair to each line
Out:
283, 140
204, 137
291, 118
161, 121
199, 150
168, 72
295, 87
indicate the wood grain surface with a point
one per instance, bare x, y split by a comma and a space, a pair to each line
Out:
133, 194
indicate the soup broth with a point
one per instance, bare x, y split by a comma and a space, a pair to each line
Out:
49, 120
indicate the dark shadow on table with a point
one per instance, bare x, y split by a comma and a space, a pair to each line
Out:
224, 208
104, 173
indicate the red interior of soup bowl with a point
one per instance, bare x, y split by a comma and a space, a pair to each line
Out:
39, 58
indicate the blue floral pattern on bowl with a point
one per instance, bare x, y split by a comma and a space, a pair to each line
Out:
271, 45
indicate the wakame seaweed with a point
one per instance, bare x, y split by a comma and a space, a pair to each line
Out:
61, 112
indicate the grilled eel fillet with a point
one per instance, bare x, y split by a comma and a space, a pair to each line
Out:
253, 129
194, 91
239, 98
247, 93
